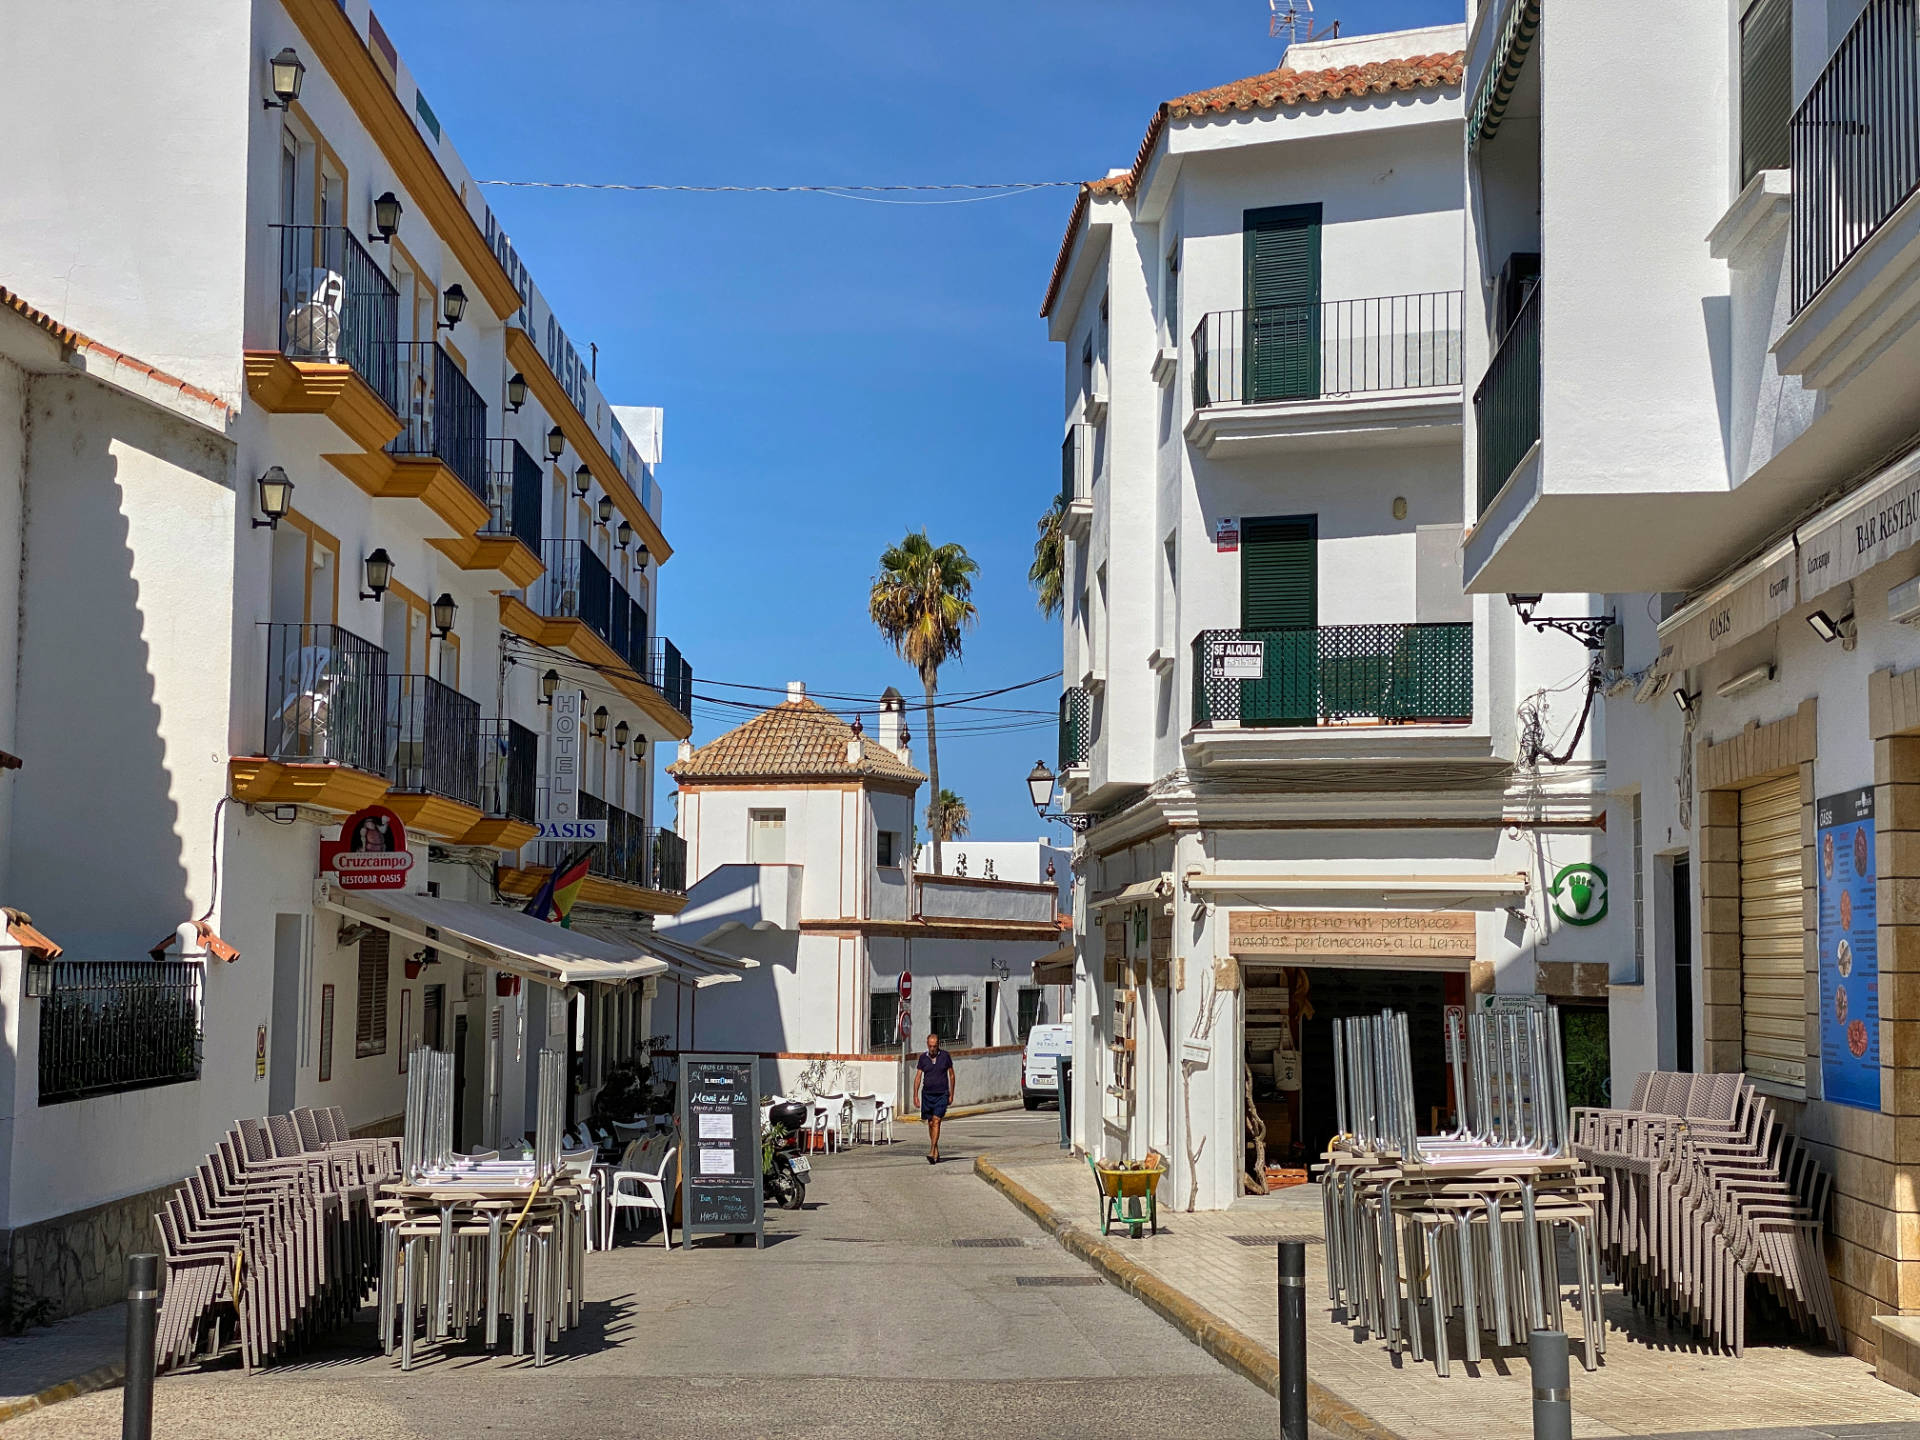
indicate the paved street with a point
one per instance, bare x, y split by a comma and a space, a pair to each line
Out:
863, 1318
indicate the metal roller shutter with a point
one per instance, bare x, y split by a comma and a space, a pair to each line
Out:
1772, 933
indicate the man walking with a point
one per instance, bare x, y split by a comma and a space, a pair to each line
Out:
933, 1092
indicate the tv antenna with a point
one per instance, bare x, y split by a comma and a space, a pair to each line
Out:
1294, 19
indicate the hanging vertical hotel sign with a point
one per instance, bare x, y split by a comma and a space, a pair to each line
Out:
1849, 950
371, 853
560, 817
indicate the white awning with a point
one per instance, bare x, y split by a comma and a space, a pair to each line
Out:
495, 935
1857, 532
1141, 892
1055, 967
1744, 603
697, 965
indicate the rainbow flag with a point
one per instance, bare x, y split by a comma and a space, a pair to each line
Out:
555, 898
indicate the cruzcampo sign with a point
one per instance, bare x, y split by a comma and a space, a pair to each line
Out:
371, 853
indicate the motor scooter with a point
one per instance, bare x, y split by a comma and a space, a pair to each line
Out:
785, 1169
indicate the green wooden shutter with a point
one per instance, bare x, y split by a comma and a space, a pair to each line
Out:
1766, 86
1279, 580
1281, 324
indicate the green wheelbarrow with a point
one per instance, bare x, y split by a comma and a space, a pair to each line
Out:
1121, 1195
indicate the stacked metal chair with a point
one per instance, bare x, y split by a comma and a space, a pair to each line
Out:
1465, 1222
1704, 1192
269, 1244
467, 1240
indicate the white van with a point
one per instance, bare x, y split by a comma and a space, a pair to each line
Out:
1039, 1068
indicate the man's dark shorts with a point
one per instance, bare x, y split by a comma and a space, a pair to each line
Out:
933, 1107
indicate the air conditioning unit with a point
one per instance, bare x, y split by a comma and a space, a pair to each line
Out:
1903, 602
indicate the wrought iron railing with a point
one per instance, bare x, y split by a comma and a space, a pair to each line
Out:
326, 699
441, 414
118, 1025
337, 306
669, 854
1506, 406
1076, 465
433, 732
509, 769
575, 587
635, 853
1330, 674
1076, 714
620, 624
1327, 348
513, 493
669, 673
1856, 143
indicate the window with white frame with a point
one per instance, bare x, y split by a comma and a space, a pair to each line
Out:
767, 837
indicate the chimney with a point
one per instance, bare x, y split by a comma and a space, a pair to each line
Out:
796, 690
686, 751
893, 715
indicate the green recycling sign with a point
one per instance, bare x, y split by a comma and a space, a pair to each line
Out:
1579, 894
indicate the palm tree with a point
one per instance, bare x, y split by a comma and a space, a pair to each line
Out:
922, 603
1046, 574
950, 817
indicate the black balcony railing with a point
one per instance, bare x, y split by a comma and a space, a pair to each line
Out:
1076, 465
326, 699
337, 306
1331, 674
1506, 406
1327, 348
669, 855
513, 493
509, 769
1076, 713
669, 673
433, 732
634, 853
441, 414
118, 1025
575, 587
1856, 143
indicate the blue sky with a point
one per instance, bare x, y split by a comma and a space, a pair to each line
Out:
834, 372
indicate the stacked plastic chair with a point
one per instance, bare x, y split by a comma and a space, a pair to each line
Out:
270, 1243
1704, 1193
1467, 1222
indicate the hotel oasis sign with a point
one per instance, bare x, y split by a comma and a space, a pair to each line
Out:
1445, 936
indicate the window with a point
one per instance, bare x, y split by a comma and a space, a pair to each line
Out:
767, 837
1170, 294
1105, 330
948, 1016
1030, 1012
370, 1009
433, 1011
887, 849
1086, 365
1766, 86
1169, 597
883, 1028
1639, 908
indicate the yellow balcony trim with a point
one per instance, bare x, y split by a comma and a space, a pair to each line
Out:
578, 640
502, 553
497, 833
307, 387
523, 355
351, 66
414, 477
433, 815
517, 617
597, 890
339, 788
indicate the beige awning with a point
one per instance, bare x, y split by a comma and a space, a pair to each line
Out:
1741, 605
1141, 892
1055, 967
697, 965
497, 936
1857, 532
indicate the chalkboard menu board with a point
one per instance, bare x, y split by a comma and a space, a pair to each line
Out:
720, 1146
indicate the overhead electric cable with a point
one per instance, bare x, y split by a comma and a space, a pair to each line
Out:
1010, 186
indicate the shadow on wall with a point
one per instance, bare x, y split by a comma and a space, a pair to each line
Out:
745, 1015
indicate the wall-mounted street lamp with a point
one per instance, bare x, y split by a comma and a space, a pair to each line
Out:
1830, 629
606, 510
624, 535
549, 683
386, 218
600, 723
1684, 701
379, 567
556, 442
444, 610
641, 558
276, 497
39, 978
1040, 781
516, 392
284, 74
453, 304
620, 733
582, 481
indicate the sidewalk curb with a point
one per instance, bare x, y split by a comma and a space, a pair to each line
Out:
101, 1377
965, 1111
1231, 1346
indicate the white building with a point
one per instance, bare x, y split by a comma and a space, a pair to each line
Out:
1320, 779
454, 611
1704, 406
799, 834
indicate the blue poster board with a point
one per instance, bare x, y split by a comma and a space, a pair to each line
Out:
1849, 950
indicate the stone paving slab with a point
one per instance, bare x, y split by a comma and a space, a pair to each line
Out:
55, 1362
1652, 1380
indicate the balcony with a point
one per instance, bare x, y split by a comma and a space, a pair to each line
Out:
509, 762
1076, 480
509, 541
638, 868
325, 738
670, 674
1076, 717
1382, 370
338, 316
1335, 675
1506, 406
433, 735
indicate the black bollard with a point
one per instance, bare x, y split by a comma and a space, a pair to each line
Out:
1063, 1069
1552, 1403
143, 1307
1293, 1339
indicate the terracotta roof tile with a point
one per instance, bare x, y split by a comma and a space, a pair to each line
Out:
74, 340
1269, 90
793, 740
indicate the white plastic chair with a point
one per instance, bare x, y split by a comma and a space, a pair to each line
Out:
883, 1119
826, 1120
644, 1190
866, 1111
